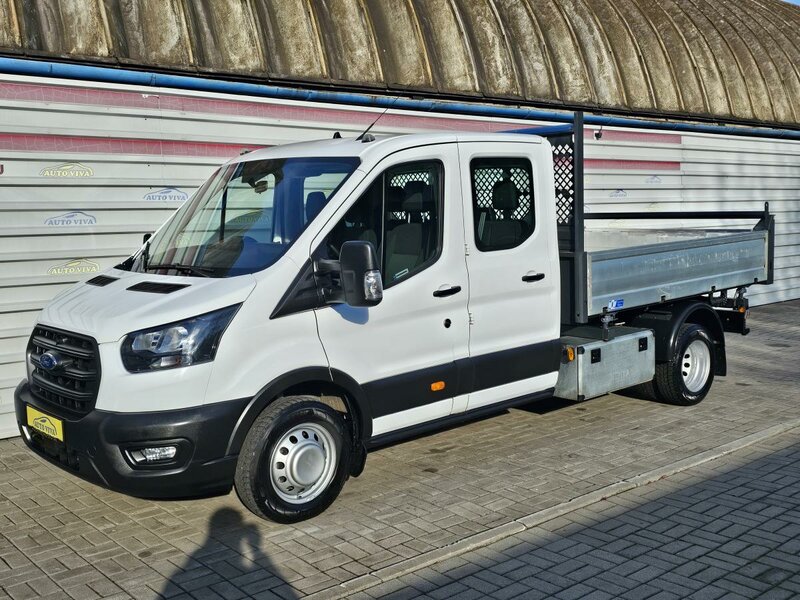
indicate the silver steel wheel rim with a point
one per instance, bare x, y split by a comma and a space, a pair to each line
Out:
303, 463
696, 365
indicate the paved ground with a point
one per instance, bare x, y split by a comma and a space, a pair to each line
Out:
60, 536
729, 529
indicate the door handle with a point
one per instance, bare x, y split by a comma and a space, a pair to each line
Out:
446, 290
532, 276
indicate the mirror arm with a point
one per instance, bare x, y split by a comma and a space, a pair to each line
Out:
327, 274
324, 266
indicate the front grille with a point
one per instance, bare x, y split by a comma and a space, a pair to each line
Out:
72, 385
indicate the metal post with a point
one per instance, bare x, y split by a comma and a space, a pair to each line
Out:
579, 270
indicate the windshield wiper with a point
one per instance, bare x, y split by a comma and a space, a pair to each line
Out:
201, 271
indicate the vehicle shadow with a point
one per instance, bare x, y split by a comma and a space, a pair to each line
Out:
229, 563
540, 407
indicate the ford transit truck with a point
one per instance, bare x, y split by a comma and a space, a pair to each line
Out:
314, 300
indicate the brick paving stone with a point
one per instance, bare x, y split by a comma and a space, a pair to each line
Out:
433, 491
730, 568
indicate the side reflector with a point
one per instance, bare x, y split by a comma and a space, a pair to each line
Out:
570, 353
437, 386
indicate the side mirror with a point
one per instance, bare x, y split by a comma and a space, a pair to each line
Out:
360, 274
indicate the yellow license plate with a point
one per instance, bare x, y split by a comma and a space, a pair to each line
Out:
50, 426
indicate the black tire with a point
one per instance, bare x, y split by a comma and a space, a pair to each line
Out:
253, 481
670, 386
643, 391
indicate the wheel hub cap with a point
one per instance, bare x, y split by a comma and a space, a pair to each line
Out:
303, 463
696, 366
306, 463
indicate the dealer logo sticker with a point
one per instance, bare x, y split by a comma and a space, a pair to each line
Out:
45, 425
76, 217
73, 169
169, 194
80, 266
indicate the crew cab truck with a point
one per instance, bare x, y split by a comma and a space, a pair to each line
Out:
313, 300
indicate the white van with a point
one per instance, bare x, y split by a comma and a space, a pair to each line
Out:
316, 299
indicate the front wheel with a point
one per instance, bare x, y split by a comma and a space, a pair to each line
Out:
294, 460
686, 379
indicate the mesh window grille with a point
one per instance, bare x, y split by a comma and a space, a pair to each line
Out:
563, 154
484, 179
400, 180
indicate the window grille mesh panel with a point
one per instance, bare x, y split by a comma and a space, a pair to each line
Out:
401, 179
563, 155
484, 180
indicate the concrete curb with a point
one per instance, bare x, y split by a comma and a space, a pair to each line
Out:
516, 526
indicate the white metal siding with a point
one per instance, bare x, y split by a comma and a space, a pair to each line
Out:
148, 149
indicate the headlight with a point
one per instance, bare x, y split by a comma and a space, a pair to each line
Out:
178, 344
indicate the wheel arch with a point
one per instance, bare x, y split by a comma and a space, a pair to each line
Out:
666, 321
316, 381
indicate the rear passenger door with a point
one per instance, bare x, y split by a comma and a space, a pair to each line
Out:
403, 351
513, 272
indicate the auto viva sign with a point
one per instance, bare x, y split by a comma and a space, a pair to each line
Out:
169, 194
72, 218
72, 169
80, 266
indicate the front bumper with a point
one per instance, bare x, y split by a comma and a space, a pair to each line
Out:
96, 447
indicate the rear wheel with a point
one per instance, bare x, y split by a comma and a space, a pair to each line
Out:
294, 460
687, 377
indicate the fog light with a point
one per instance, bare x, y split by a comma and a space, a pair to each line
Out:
154, 455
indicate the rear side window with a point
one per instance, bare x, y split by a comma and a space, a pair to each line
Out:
401, 215
502, 202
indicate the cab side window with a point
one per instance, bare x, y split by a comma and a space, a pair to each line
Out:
502, 202
401, 214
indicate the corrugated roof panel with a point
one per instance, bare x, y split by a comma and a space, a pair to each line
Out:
720, 59
227, 37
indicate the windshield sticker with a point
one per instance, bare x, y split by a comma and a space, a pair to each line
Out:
76, 217
251, 218
169, 194
80, 266
67, 170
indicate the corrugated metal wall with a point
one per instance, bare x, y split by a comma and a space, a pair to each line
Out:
725, 59
86, 169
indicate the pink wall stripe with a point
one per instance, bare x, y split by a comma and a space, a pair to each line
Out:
19, 142
632, 165
266, 110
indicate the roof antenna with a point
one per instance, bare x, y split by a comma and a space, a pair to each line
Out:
337, 135
365, 135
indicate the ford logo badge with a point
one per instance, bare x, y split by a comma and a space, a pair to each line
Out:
49, 361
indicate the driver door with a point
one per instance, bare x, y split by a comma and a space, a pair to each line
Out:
403, 352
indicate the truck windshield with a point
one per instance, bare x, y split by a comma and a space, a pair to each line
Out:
244, 217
